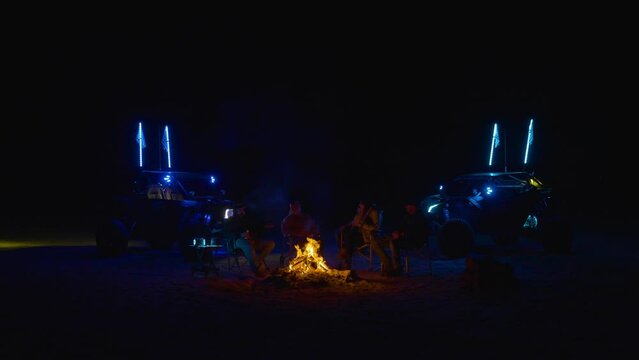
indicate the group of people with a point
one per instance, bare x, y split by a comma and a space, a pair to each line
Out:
245, 232
365, 228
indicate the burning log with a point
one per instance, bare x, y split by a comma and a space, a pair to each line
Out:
308, 271
309, 263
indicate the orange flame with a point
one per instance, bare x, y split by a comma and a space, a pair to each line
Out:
309, 264
308, 260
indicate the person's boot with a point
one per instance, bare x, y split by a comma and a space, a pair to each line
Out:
391, 270
352, 276
342, 254
396, 262
348, 263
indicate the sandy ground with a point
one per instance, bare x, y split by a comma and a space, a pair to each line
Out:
59, 300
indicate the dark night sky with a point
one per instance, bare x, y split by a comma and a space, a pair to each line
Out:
324, 111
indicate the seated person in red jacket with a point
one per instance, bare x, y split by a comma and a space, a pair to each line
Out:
297, 226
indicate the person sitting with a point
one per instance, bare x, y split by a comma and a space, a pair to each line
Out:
245, 232
297, 226
412, 233
362, 230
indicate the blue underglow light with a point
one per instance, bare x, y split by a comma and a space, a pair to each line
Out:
430, 208
494, 143
529, 141
212, 179
489, 190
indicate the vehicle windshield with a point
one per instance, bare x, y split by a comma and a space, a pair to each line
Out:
464, 187
183, 184
200, 186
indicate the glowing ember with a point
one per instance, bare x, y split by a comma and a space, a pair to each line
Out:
308, 261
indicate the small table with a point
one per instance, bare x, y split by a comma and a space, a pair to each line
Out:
205, 261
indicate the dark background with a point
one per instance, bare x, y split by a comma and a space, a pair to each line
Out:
327, 109
324, 110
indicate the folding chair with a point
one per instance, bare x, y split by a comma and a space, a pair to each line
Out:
365, 250
232, 254
234, 260
423, 253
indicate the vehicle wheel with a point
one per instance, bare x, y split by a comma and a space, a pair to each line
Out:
456, 239
556, 236
112, 238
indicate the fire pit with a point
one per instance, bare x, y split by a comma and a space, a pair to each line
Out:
309, 268
311, 281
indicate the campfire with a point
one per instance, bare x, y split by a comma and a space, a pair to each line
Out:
309, 263
307, 272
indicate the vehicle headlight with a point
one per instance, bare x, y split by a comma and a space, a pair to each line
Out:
534, 182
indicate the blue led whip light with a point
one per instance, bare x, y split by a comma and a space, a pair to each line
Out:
529, 141
493, 144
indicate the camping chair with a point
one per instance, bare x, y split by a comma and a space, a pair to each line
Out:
365, 250
423, 253
234, 256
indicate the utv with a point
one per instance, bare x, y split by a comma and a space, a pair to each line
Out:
164, 208
503, 205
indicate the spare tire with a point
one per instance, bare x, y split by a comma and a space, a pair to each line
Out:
112, 238
456, 239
